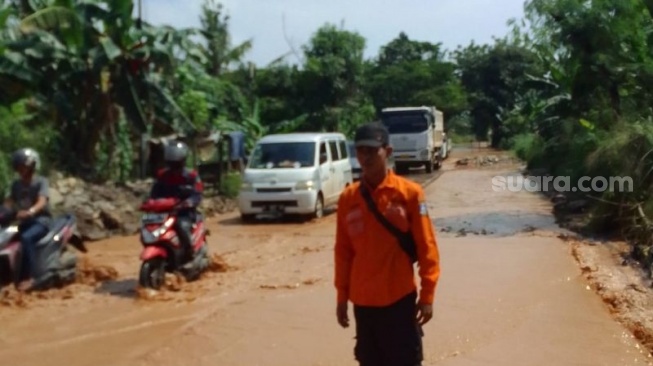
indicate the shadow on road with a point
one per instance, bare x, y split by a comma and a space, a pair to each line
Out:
121, 288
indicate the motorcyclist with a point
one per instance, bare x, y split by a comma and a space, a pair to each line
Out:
177, 181
28, 198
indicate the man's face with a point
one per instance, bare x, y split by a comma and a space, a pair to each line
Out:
372, 159
24, 171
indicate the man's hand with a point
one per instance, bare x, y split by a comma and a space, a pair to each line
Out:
424, 313
341, 313
23, 214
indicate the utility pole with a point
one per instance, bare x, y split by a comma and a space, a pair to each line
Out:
139, 20
145, 136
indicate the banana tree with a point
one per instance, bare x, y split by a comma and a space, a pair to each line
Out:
251, 125
219, 52
85, 59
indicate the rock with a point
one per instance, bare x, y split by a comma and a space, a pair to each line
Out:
131, 227
111, 220
558, 198
56, 198
93, 233
577, 206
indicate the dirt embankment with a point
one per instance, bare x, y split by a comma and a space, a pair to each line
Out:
111, 209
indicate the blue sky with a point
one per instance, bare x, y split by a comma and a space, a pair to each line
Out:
450, 22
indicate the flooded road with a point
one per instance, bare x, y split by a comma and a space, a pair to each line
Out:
510, 294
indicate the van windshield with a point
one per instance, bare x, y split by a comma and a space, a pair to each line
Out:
283, 155
409, 123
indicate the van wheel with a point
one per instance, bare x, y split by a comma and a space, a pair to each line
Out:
247, 218
319, 207
429, 166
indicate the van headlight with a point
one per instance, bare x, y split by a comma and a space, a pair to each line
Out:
246, 187
305, 185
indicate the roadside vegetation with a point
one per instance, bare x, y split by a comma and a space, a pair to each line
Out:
568, 89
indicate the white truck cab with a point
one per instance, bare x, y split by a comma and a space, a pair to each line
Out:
295, 173
417, 136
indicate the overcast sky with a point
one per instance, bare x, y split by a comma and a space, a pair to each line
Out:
450, 22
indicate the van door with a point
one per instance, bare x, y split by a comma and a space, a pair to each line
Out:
340, 157
347, 169
327, 173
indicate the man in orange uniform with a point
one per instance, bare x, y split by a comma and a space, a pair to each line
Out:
372, 269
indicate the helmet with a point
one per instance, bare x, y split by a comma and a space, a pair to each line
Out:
26, 156
175, 154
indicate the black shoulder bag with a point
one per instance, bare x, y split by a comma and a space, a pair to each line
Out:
406, 240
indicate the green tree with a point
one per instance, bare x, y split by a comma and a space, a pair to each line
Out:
331, 83
409, 72
495, 78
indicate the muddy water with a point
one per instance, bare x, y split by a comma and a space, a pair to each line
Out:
510, 294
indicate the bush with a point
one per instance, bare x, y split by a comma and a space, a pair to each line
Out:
530, 148
21, 128
460, 139
231, 185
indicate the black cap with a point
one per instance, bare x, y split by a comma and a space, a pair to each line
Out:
372, 134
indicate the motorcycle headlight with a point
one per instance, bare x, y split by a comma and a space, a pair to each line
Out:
150, 236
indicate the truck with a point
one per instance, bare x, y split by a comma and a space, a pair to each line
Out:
418, 137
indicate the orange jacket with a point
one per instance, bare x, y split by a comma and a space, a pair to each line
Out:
371, 269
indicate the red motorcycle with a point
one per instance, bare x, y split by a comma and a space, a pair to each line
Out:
162, 251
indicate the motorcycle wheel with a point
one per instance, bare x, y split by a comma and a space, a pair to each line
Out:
152, 273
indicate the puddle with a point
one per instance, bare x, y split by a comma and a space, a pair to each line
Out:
497, 223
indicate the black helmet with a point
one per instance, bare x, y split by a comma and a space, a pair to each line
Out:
175, 154
26, 156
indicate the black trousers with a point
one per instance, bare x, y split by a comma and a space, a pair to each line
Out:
389, 336
183, 227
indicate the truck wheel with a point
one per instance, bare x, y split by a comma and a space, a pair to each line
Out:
429, 166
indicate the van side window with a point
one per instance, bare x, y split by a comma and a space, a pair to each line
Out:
344, 151
324, 157
333, 146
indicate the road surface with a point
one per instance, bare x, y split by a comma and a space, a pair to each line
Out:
510, 294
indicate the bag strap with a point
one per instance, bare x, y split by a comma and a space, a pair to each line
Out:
402, 237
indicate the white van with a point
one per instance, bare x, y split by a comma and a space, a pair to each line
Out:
295, 173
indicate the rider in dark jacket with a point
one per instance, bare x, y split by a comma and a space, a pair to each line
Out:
29, 198
180, 182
